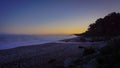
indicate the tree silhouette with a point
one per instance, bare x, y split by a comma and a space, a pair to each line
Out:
108, 26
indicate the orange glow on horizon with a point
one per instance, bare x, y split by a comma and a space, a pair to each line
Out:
56, 31
69, 27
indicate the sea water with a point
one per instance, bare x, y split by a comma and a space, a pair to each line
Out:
11, 41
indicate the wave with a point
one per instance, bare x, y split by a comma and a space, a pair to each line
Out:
11, 41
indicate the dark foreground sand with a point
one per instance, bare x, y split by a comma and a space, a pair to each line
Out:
50, 55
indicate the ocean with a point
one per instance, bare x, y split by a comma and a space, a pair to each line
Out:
8, 41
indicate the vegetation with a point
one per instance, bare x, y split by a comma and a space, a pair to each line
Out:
109, 56
106, 27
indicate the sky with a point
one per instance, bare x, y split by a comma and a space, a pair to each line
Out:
52, 16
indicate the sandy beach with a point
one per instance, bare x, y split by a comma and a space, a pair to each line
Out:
50, 55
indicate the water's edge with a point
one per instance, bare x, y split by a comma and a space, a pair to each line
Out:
13, 41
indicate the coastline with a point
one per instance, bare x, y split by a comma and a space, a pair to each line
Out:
13, 41
49, 55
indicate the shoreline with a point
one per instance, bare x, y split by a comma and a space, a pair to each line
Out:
49, 55
7, 42
34, 44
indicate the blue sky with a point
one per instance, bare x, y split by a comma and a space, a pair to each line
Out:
52, 16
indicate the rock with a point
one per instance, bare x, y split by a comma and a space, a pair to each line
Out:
51, 61
89, 51
80, 47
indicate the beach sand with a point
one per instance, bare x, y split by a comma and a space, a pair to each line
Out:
50, 55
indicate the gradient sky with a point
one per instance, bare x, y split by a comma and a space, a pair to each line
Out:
52, 16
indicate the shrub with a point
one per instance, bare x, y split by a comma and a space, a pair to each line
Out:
110, 55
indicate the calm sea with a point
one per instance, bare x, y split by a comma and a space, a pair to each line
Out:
12, 41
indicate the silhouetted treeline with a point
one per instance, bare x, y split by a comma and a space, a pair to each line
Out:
106, 27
